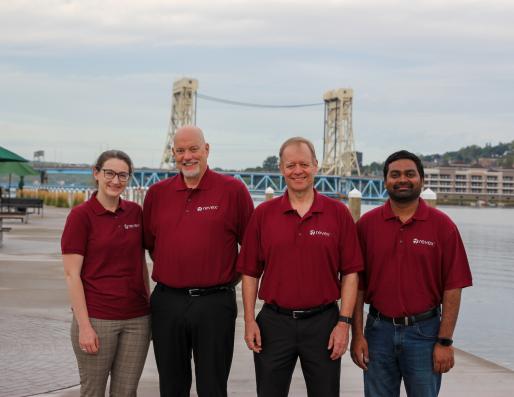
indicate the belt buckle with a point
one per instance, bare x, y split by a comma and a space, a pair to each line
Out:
405, 321
296, 313
194, 292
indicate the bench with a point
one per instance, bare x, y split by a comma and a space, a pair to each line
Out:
21, 204
22, 216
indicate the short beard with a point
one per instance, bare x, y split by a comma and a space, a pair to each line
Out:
191, 174
404, 198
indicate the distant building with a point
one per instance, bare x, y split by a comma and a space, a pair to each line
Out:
471, 183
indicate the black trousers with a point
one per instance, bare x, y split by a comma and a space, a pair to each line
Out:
202, 325
284, 340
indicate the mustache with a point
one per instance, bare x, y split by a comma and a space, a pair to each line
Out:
403, 184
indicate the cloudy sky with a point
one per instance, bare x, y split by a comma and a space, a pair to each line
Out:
81, 76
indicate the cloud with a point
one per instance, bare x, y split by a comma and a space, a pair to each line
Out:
344, 24
78, 76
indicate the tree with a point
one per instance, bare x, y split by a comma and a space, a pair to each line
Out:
270, 164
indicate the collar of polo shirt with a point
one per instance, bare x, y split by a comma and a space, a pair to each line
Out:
421, 213
285, 204
205, 182
99, 209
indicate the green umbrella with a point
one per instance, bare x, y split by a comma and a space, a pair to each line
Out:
11, 163
18, 168
7, 155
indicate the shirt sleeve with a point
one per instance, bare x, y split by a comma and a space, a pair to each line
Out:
250, 261
75, 234
350, 248
456, 271
245, 204
148, 235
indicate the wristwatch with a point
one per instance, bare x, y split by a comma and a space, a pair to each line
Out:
445, 341
344, 319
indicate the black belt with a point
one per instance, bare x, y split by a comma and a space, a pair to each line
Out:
198, 291
407, 320
300, 313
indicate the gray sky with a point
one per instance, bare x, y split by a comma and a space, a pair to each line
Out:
79, 77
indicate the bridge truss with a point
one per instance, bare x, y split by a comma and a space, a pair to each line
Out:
256, 182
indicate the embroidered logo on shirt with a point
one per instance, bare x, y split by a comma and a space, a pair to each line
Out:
313, 232
423, 242
131, 226
207, 208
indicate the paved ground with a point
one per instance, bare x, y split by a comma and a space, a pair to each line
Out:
36, 356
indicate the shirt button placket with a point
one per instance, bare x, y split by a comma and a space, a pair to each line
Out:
188, 203
118, 228
299, 231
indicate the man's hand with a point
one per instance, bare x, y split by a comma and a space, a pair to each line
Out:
359, 351
88, 340
338, 341
443, 358
253, 336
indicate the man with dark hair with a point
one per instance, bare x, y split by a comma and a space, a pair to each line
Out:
404, 155
415, 263
305, 247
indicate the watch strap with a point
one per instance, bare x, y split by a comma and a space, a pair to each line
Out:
344, 319
445, 341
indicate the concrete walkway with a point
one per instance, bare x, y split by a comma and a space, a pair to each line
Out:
36, 356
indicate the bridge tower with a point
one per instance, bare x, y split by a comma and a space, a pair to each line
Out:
183, 112
339, 156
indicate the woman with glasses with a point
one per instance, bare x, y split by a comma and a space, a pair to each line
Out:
107, 279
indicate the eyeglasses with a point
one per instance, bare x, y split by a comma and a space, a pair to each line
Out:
110, 174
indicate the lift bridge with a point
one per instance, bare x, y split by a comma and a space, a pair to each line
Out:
339, 170
256, 182
339, 156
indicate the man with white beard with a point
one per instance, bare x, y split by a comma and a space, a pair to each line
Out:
193, 223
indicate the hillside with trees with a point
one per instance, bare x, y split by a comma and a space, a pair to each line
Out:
502, 153
488, 156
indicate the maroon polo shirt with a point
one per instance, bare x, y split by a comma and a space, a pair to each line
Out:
112, 246
301, 260
408, 266
193, 234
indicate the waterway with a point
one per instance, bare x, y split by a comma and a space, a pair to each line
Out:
486, 321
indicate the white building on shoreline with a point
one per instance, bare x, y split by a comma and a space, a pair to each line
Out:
464, 183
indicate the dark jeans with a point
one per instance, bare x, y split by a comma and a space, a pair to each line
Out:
284, 340
202, 325
400, 352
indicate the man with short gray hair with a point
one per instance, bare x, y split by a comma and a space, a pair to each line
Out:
303, 247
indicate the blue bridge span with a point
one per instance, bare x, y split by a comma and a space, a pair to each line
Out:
257, 182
